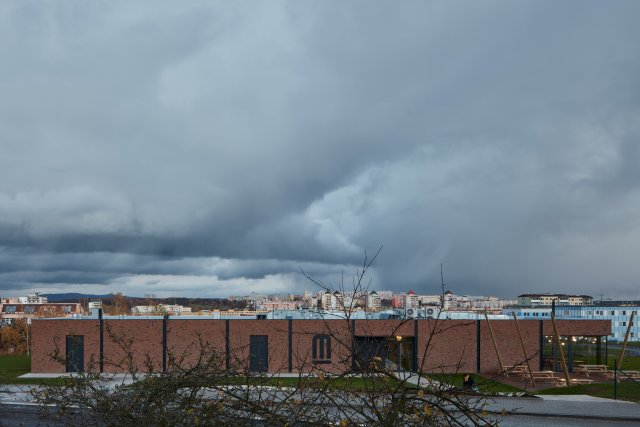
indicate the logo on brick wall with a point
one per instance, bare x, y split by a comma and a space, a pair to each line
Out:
321, 349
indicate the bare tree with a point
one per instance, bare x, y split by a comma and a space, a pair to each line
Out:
390, 394
206, 385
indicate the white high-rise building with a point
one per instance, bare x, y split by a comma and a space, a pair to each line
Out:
373, 301
411, 300
332, 301
33, 298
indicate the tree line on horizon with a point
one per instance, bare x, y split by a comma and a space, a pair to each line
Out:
118, 303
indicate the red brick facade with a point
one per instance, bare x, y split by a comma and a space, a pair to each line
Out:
446, 345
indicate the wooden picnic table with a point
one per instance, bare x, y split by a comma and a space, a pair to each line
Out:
625, 375
591, 369
543, 374
547, 376
632, 374
515, 369
575, 381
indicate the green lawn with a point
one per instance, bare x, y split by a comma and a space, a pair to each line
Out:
629, 363
335, 383
626, 390
14, 365
484, 384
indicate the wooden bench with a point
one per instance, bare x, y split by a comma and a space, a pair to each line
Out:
625, 375
591, 369
576, 381
547, 376
515, 369
631, 374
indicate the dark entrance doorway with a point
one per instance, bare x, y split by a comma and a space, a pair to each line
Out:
259, 353
401, 352
395, 353
75, 353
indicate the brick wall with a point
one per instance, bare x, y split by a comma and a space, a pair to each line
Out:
447, 346
185, 338
49, 336
442, 346
144, 339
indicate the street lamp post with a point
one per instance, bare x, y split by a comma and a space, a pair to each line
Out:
398, 356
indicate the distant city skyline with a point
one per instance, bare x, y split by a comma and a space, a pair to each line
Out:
383, 294
217, 148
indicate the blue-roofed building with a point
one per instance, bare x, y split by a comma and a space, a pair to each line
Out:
619, 313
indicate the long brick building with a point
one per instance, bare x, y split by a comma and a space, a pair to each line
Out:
289, 345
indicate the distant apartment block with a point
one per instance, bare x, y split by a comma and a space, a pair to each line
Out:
278, 305
9, 312
94, 304
618, 312
376, 300
149, 310
528, 312
34, 298
411, 300
397, 301
332, 300
534, 300
429, 299
385, 294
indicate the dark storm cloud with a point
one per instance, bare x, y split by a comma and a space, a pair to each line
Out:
206, 147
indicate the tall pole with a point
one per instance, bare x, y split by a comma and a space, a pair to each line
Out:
524, 350
626, 338
493, 340
442, 286
557, 336
615, 380
27, 327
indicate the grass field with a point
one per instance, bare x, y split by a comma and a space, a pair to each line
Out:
626, 390
12, 366
342, 383
484, 384
629, 363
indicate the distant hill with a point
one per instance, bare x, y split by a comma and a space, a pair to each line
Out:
72, 297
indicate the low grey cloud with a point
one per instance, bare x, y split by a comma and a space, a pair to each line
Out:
214, 148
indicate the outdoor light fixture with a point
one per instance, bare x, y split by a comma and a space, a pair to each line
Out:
398, 338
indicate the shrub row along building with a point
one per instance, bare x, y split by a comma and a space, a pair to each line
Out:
101, 343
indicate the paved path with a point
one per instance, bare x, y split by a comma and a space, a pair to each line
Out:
553, 410
542, 421
582, 407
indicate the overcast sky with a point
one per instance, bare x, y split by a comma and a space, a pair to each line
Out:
214, 148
